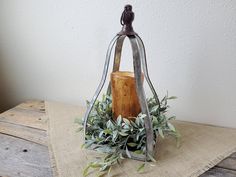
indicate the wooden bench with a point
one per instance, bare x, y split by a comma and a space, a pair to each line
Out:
24, 145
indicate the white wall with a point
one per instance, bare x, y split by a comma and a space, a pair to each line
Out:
54, 50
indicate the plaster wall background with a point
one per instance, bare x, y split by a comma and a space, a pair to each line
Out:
55, 50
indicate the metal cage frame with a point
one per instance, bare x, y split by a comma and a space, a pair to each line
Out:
140, 65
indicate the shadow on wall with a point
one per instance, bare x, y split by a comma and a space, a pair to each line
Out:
5, 93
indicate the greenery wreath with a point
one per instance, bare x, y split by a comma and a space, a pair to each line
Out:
121, 137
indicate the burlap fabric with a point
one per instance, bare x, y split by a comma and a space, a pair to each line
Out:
202, 147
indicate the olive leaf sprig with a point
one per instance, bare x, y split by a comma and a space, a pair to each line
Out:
117, 138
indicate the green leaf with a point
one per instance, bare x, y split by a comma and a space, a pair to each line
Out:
137, 121
141, 168
107, 131
127, 152
154, 108
104, 167
109, 124
127, 122
172, 97
172, 128
123, 134
82, 146
100, 134
161, 132
151, 158
119, 120
142, 116
114, 136
172, 117
85, 172
78, 120
133, 124
104, 149
132, 144
138, 152
101, 174
154, 120
95, 165
109, 171
126, 127
79, 129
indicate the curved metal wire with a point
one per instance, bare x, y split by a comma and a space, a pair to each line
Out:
141, 96
145, 70
118, 50
139, 62
101, 84
117, 57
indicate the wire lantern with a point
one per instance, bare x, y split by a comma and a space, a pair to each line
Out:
139, 65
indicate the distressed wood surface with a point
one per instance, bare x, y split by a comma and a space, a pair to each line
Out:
23, 158
226, 168
24, 145
219, 172
24, 142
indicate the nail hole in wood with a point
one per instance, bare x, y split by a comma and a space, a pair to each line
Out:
6, 149
25, 150
39, 119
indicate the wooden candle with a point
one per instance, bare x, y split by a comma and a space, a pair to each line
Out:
125, 101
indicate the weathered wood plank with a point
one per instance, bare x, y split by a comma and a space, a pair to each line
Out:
34, 105
25, 118
30, 114
228, 163
20, 158
219, 172
28, 121
30, 134
233, 155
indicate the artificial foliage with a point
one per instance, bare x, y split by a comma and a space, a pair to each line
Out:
118, 138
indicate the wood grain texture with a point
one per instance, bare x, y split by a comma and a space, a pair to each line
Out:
23, 158
24, 118
233, 155
28, 133
30, 114
219, 172
26, 121
24, 142
24, 149
228, 163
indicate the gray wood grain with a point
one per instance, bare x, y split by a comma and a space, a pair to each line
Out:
228, 163
219, 172
233, 155
23, 132
24, 152
21, 158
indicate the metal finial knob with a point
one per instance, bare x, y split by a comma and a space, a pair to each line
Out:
126, 20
